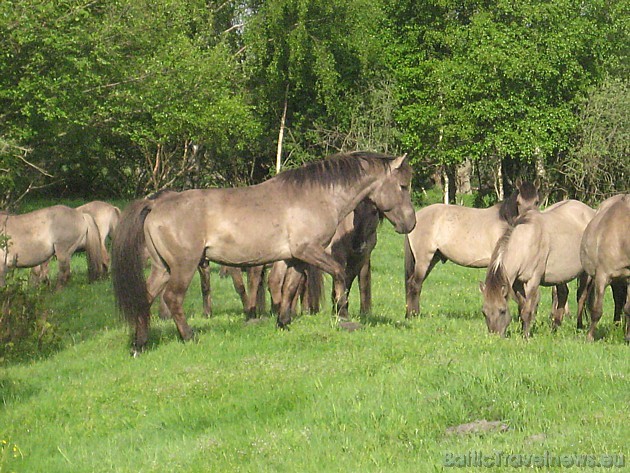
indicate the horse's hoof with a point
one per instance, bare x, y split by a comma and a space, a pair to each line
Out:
283, 325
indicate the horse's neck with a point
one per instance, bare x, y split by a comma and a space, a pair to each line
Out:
348, 198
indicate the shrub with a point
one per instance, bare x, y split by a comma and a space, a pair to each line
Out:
25, 327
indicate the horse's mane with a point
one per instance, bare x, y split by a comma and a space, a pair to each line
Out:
496, 276
339, 169
509, 208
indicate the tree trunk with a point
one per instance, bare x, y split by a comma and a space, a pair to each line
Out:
498, 183
464, 173
281, 132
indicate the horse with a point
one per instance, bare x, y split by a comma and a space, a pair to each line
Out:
542, 248
255, 278
351, 247
605, 256
106, 216
291, 216
466, 236
34, 237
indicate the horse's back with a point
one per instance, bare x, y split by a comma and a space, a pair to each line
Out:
605, 246
35, 235
229, 226
564, 224
461, 234
105, 215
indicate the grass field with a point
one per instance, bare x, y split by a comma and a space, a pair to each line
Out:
248, 397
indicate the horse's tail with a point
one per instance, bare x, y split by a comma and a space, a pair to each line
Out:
314, 288
115, 221
93, 248
410, 263
128, 250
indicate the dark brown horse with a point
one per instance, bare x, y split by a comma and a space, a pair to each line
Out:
605, 256
293, 215
351, 247
542, 248
35, 237
466, 236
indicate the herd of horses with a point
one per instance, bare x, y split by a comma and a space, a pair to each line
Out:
323, 218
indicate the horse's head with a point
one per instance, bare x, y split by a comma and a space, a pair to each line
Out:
528, 197
393, 198
495, 303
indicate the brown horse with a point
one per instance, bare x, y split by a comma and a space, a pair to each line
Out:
250, 304
34, 237
605, 256
542, 248
466, 236
351, 247
293, 215
106, 216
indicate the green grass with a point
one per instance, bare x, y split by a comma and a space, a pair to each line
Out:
248, 397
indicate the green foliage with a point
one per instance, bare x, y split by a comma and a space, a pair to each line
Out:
26, 330
492, 80
598, 165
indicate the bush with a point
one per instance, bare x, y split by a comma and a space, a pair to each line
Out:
25, 327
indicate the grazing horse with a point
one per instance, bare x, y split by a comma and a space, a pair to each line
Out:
106, 216
463, 235
292, 216
34, 237
351, 247
605, 256
542, 248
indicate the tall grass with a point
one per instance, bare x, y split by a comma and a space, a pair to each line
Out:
249, 397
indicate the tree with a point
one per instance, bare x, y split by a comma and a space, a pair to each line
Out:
598, 164
495, 81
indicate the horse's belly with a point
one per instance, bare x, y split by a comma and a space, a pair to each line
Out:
242, 252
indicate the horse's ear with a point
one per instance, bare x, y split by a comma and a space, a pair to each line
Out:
397, 162
537, 183
504, 291
519, 182
482, 287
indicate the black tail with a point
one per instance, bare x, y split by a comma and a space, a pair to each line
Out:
314, 289
410, 263
128, 250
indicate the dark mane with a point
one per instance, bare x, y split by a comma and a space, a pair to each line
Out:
339, 169
509, 207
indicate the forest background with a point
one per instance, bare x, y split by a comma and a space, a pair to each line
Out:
120, 98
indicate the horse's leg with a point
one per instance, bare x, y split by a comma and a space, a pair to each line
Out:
63, 263
39, 274
206, 289
597, 306
424, 263
315, 255
365, 287
255, 290
292, 280
164, 312
619, 296
239, 285
585, 285
174, 292
626, 311
560, 298
274, 282
155, 287
528, 311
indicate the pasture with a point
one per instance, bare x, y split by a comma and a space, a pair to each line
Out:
249, 397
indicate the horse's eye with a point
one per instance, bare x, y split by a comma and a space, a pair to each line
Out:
404, 188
